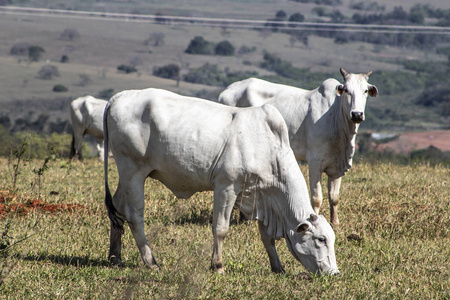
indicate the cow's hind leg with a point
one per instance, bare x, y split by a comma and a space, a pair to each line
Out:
115, 245
130, 204
223, 206
333, 194
269, 244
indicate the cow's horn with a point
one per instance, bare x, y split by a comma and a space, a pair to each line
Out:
368, 74
343, 72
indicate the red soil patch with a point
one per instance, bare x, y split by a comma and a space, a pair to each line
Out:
411, 141
31, 204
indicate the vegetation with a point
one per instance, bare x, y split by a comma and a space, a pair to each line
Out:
392, 241
126, 69
171, 71
199, 45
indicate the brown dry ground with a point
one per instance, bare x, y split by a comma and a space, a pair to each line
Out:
411, 141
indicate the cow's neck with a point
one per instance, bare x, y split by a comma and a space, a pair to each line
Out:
344, 133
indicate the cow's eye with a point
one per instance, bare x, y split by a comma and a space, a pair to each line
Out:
345, 90
366, 91
322, 239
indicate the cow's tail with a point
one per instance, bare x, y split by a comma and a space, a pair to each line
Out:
112, 212
72, 147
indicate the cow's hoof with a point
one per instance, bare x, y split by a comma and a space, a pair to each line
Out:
115, 261
151, 264
219, 269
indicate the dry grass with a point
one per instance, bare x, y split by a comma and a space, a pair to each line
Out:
399, 212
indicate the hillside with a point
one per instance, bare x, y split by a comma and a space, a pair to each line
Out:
87, 62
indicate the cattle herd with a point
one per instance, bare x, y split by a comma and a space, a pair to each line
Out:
245, 147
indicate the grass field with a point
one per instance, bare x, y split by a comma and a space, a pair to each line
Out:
399, 212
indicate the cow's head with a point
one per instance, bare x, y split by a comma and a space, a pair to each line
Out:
312, 243
354, 94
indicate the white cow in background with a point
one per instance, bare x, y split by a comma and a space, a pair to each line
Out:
87, 118
192, 145
322, 124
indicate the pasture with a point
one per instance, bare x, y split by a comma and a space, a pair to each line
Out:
392, 242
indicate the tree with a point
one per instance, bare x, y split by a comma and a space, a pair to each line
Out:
126, 69
198, 45
224, 48
280, 15
297, 17
171, 71
35, 52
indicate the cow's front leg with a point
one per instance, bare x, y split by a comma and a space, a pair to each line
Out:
223, 206
315, 183
137, 228
333, 193
269, 244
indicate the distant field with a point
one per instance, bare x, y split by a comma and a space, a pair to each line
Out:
104, 45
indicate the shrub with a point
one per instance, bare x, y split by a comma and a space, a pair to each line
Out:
48, 72
64, 59
106, 93
198, 45
171, 71
19, 49
224, 48
60, 88
126, 69
245, 49
69, 34
207, 74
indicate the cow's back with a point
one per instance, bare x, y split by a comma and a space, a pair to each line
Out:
176, 139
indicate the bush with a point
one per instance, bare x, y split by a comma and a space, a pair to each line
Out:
60, 88
245, 49
224, 48
20, 49
171, 71
69, 34
207, 74
200, 46
47, 72
105, 94
126, 69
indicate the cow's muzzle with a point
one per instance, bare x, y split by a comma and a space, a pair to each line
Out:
357, 116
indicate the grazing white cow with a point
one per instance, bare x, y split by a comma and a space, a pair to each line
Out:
87, 118
192, 145
322, 124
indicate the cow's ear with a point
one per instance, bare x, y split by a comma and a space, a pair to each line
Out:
373, 91
340, 89
302, 227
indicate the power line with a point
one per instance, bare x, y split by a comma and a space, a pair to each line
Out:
225, 23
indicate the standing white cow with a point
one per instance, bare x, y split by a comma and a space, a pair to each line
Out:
87, 118
322, 124
192, 145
